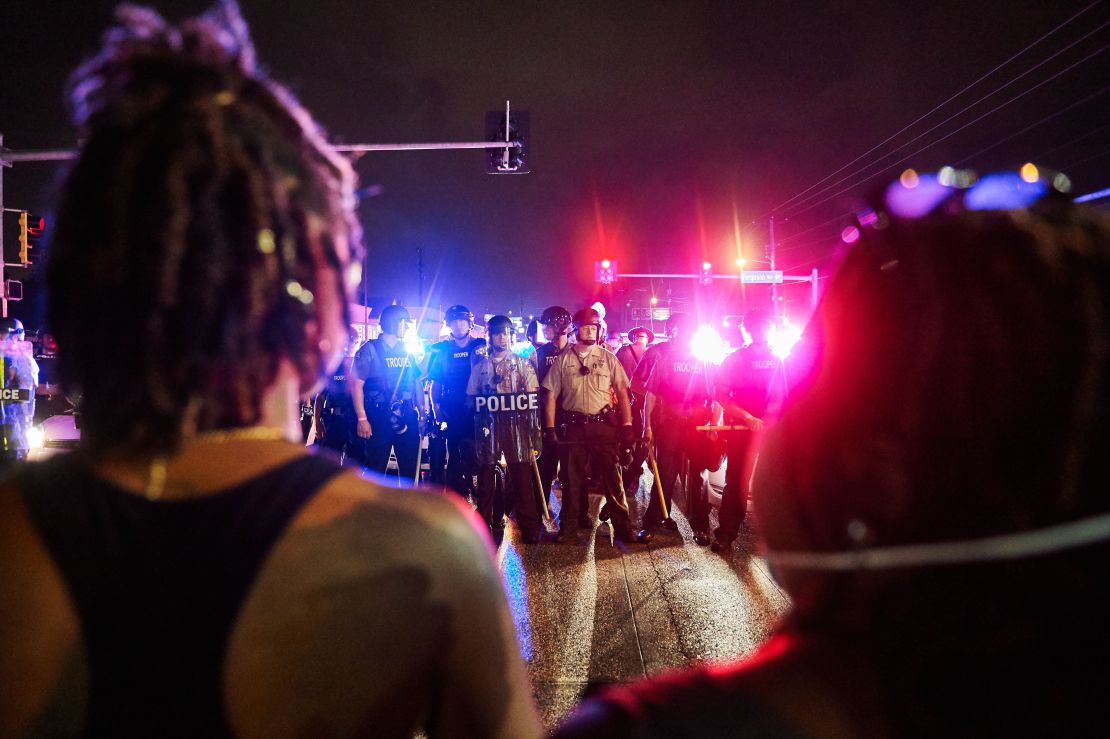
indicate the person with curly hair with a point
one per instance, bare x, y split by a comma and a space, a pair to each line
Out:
192, 570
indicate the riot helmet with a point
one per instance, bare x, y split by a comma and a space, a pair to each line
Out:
496, 324
557, 317
681, 324
754, 317
496, 327
391, 318
589, 317
11, 328
757, 322
533, 332
458, 313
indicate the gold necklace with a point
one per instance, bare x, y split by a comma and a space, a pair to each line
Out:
156, 481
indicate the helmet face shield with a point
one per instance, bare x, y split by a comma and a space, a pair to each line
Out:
558, 319
393, 320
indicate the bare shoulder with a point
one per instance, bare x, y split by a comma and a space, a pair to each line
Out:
354, 612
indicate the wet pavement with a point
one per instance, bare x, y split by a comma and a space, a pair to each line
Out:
599, 611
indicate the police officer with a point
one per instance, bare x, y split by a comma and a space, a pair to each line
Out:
333, 409
385, 389
630, 356
750, 384
533, 336
556, 327
680, 398
449, 365
20, 374
590, 386
503, 393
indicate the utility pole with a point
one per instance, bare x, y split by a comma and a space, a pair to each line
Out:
775, 308
3, 283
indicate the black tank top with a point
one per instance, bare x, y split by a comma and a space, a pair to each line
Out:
158, 585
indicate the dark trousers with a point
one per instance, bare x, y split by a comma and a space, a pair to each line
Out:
451, 457
339, 435
460, 462
596, 441
516, 494
635, 469
375, 450
740, 449
674, 448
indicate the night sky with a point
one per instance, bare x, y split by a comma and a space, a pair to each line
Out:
657, 128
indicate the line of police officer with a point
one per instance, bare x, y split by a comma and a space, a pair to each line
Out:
597, 422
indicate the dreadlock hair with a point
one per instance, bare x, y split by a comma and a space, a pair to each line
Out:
962, 391
200, 228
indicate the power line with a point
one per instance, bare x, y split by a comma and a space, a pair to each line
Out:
952, 133
1041, 155
1042, 121
964, 110
926, 115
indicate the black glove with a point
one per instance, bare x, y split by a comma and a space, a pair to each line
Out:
549, 437
627, 436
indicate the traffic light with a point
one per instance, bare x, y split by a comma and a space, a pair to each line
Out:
512, 159
705, 275
605, 271
30, 227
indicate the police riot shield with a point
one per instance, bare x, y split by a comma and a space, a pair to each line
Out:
18, 376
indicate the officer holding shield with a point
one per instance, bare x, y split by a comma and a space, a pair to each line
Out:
19, 374
590, 386
502, 391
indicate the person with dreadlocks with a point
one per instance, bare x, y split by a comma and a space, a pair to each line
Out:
502, 392
193, 570
935, 498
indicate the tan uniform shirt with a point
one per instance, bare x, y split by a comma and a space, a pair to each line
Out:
586, 393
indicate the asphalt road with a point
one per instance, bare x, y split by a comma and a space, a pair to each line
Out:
598, 611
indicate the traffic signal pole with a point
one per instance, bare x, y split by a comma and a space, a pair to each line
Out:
3, 282
8, 158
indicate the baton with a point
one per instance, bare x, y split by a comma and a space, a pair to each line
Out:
419, 449
543, 493
723, 428
658, 484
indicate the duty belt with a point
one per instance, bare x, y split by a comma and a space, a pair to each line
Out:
579, 419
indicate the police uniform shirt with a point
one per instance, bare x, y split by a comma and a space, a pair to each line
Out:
389, 373
337, 393
586, 393
629, 359
680, 380
449, 365
513, 374
747, 374
544, 359
646, 368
